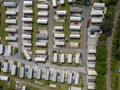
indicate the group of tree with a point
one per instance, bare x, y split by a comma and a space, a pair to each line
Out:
115, 57
101, 55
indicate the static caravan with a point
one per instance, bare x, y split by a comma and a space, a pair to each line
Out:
77, 59
62, 76
27, 12
42, 36
42, 52
62, 1
69, 79
11, 21
10, 4
76, 81
54, 2
59, 43
27, 20
26, 28
62, 58
40, 59
59, 28
22, 72
10, 38
99, 6
26, 36
42, 6
1, 48
8, 50
70, 58
74, 36
55, 59
25, 52
97, 13
41, 44
27, 3
30, 73
4, 78
14, 70
61, 12
95, 20
39, 72
75, 28
43, 13
59, 36
11, 30
10, 13
27, 44
75, 19
54, 76
42, 21
47, 74
5, 67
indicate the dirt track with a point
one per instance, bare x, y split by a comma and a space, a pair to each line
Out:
109, 46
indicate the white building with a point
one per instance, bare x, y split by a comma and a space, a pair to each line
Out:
42, 21
25, 52
43, 13
54, 2
55, 57
10, 12
40, 59
42, 6
74, 36
59, 35
74, 18
61, 12
70, 58
62, 58
59, 43
27, 11
11, 21
77, 59
41, 44
4, 78
27, 3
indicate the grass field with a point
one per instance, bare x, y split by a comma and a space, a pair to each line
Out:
35, 28
3, 25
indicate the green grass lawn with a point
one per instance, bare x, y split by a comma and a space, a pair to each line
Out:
35, 28
3, 25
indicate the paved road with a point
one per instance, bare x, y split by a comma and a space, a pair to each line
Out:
109, 46
86, 13
20, 5
51, 27
78, 69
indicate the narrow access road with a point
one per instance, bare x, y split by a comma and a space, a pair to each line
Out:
86, 14
20, 5
109, 46
51, 27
